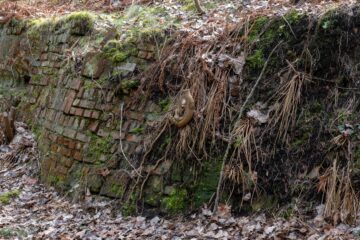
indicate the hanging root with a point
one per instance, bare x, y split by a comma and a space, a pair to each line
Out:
341, 203
288, 100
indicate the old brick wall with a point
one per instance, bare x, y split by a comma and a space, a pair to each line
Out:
67, 94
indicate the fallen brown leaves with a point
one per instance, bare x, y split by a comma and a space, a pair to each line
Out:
39, 212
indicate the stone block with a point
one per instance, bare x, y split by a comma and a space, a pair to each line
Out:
78, 155
80, 93
133, 138
58, 129
71, 144
69, 99
60, 169
82, 137
67, 162
88, 94
65, 151
103, 133
94, 65
115, 184
54, 148
116, 135
87, 104
94, 126
69, 133
136, 116
76, 111
95, 114
82, 124
87, 113
76, 102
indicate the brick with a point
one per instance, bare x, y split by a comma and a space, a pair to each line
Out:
82, 137
80, 93
102, 133
66, 121
72, 144
66, 142
109, 96
78, 146
104, 107
77, 155
88, 94
136, 116
76, 84
47, 124
58, 129
87, 104
69, 99
87, 113
61, 169
72, 111
62, 119
79, 112
52, 137
67, 162
60, 140
54, 148
49, 114
71, 121
95, 114
65, 151
82, 124
76, 102
116, 135
75, 124
94, 126
57, 117
132, 138
69, 133
125, 126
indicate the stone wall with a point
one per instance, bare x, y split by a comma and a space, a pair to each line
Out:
72, 92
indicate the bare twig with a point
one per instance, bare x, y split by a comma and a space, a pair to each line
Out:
120, 144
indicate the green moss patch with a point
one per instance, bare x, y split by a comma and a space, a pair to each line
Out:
11, 233
176, 201
5, 198
98, 146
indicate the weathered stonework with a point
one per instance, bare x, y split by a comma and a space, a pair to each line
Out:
67, 90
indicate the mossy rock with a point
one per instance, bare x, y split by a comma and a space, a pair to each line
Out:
176, 202
118, 51
80, 23
115, 184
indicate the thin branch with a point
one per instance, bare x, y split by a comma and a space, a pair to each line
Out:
121, 147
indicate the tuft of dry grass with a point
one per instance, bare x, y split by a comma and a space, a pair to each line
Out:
288, 100
341, 201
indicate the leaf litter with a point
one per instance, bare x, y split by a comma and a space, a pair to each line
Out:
39, 212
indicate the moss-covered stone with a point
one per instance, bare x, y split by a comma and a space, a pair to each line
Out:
118, 51
80, 23
176, 202
206, 184
115, 184
98, 146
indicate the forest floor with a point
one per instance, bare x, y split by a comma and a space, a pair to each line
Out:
218, 13
30, 210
